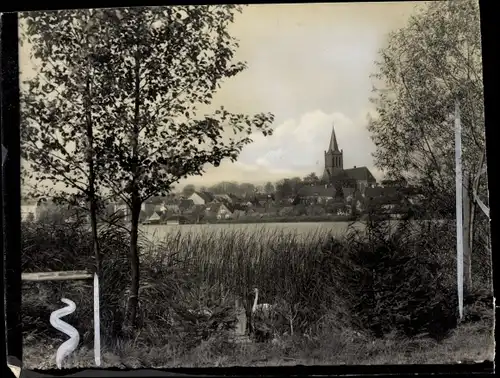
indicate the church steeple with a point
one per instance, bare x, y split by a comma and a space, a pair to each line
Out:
334, 147
334, 158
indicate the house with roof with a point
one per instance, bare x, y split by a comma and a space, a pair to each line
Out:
320, 194
362, 176
155, 218
201, 198
218, 210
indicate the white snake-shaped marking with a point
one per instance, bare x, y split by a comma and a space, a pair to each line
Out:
70, 345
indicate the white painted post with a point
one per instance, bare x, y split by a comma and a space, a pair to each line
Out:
69, 346
459, 207
97, 323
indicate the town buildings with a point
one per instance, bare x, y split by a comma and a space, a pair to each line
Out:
340, 192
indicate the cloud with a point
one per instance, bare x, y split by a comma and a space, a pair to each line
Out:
296, 148
309, 65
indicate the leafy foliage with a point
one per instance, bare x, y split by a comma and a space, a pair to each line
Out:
135, 77
426, 66
149, 68
404, 280
54, 102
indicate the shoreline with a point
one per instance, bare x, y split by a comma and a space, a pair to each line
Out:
263, 220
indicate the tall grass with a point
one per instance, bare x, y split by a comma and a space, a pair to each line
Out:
382, 280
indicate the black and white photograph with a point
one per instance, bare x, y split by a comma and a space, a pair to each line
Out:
254, 185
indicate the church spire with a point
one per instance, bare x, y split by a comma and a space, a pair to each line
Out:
333, 141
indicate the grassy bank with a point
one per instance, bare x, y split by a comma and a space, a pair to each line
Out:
467, 343
348, 297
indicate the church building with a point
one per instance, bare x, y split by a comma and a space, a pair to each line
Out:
360, 177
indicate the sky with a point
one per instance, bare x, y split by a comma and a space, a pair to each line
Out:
309, 65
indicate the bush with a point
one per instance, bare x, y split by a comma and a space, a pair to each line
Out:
404, 279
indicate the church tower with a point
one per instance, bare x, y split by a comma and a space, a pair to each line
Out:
334, 158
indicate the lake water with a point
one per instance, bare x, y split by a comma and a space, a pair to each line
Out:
158, 232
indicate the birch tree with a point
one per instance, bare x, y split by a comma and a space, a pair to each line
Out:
159, 66
428, 65
150, 69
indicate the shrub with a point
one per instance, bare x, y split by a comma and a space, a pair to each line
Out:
404, 278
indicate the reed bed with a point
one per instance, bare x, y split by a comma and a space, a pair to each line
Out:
386, 279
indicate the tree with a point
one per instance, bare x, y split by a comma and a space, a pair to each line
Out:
188, 190
284, 188
429, 65
150, 68
339, 190
58, 110
296, 183
247, 189
311, 179
269, 188
159, 65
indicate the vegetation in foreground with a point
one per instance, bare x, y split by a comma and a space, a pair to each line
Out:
380, 296
467, 343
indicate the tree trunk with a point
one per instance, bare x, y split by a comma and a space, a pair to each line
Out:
135, 206
95, 239
91, 195
133, 299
